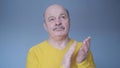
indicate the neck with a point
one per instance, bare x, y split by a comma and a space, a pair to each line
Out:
60, 42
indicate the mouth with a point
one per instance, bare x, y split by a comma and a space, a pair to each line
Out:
61, 28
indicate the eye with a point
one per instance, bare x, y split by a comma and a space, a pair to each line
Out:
51, 19
63, 16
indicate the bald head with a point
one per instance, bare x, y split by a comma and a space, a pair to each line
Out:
55, 8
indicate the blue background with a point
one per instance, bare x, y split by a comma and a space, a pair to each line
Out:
21, 27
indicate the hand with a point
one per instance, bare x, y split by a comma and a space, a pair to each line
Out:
68, 56
83, 52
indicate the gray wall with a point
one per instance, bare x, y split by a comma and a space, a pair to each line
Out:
21, 27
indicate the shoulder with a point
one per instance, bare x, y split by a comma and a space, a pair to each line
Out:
37, 46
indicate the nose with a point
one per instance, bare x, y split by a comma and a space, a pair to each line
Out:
58, 22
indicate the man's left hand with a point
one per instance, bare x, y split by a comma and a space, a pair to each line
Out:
83, 52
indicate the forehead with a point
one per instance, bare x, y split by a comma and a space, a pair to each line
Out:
55, 10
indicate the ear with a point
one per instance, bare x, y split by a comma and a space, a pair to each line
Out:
45, 26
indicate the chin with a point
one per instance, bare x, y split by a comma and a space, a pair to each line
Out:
60, 35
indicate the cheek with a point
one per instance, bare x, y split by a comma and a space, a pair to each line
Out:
50, 26
67, 25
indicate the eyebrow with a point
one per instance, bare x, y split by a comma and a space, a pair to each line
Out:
54, 16
62, 14
50, 17
65, 14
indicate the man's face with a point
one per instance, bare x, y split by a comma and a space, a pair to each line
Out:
57, 22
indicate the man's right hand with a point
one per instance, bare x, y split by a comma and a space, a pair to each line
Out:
68, 56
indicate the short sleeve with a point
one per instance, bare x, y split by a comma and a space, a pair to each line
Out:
31, 61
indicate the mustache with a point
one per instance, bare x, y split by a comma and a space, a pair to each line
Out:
58, 27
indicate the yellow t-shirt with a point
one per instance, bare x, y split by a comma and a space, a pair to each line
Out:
44, 55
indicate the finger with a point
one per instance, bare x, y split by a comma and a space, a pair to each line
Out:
71, 50
86, 43
80, 56
83, 50
85, 46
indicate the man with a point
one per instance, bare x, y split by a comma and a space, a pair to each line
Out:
59, 51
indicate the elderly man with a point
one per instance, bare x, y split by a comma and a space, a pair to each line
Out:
59, 51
